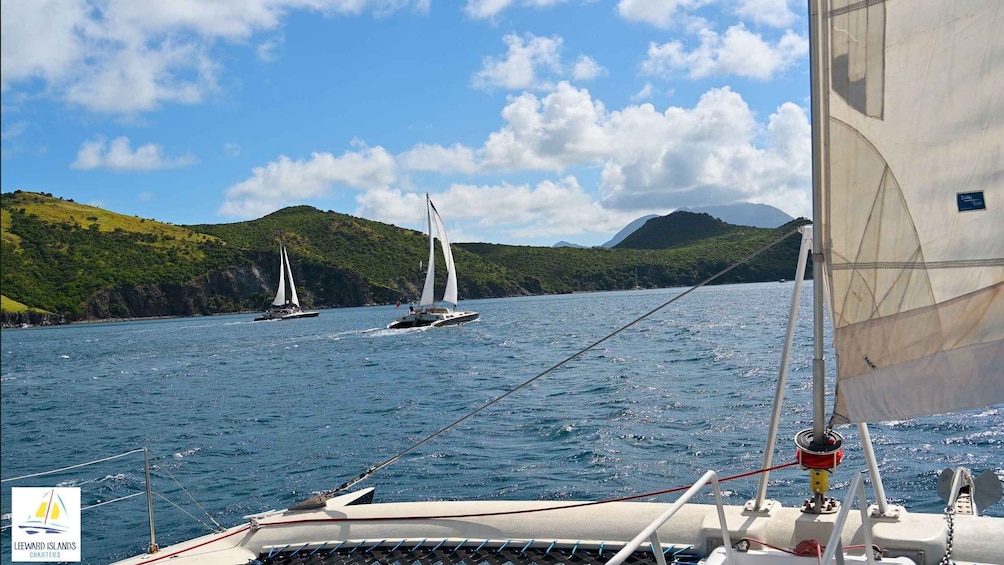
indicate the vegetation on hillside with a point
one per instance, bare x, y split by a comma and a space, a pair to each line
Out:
80, 261
677, 230
56, 253
384, 256
564, 269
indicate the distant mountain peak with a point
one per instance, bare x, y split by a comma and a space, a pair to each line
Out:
741, 214
628, 230
677, 229
564, 243
745, 214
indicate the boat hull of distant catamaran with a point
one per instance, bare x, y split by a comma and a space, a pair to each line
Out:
435, 317
274, 316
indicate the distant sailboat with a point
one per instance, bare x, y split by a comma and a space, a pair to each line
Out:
285, 306
427, 313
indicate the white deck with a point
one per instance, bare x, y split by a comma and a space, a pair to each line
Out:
976, 539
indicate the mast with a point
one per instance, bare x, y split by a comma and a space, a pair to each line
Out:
818, 70
819, 449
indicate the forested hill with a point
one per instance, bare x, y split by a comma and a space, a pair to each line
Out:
66, 261
677, 230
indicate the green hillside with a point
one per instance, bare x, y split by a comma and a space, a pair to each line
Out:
677, 230
56, 253
81, 262
384, 256
562, 269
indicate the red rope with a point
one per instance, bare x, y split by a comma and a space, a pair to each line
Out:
824, 461
807, 548
765, 544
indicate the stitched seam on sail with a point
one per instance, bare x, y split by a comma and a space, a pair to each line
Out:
854, 7
920, 265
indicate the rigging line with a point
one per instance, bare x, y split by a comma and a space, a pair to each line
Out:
113, 500
54, 471
362, 476
565, 506
177, 482
190, 515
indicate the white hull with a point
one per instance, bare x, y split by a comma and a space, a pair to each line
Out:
344, 528
286, 315
434, 317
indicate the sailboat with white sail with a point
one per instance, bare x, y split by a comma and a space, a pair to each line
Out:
428, 313
908, 252
286, 305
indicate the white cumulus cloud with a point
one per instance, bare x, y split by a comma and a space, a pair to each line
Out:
533, 63
427, 157
118, 155
644, 94
123, 57
287, 181
546, 209
774, 13
526, 59
489, 9
739, 52
549, 133
659, 13
717, 151
586, 68
642, 160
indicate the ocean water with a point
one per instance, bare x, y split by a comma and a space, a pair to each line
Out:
245, 417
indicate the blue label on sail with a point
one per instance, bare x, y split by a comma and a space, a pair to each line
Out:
971, 201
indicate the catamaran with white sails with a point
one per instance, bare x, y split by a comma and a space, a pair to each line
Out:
908, 252
427, 313
286, 305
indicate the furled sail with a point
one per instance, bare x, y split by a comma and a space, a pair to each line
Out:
280, 294
913, 205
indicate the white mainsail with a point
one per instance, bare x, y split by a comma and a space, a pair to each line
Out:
280, 294
450, 294
292, 287
428, 296
913, 205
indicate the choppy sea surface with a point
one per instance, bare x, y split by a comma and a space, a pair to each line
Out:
252, 416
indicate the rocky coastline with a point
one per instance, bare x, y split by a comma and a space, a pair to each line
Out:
30, 318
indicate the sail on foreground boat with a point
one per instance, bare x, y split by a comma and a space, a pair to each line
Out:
908, 189
286, 305
427, 313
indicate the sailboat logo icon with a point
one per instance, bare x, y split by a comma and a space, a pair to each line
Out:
50, 515
45, 524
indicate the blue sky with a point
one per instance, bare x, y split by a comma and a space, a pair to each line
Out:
528, 121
